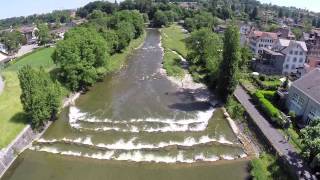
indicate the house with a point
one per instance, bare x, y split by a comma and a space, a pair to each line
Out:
285, 57
245, 30
312, 40
304, 97
285, 33
76, 22
59, 33
30, 33
259, 40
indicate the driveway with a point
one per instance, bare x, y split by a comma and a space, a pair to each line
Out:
26, 49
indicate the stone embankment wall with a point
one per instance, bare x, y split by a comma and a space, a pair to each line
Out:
22, 141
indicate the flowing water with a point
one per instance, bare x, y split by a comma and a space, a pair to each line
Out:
136, 125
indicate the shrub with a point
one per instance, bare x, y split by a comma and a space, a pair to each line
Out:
234, 108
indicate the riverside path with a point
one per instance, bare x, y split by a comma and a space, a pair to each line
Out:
275, 138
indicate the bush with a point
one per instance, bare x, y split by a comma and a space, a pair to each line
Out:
266, 106
235, 109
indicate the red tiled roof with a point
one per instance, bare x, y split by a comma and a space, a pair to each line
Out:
261, 33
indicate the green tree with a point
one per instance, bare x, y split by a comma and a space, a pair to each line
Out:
310, 136
40, 96
246, 56
160, 19
44, 37
254, 13
297, 32
12, 40
227, 81
82, 55
204, 55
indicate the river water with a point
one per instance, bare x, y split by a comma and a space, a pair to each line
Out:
136, 125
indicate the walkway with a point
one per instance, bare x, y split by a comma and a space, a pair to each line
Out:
1, 84
283, 148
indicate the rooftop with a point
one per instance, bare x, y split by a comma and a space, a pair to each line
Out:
309, 84
286, 43
262, 33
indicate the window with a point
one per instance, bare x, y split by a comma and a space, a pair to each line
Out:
297, 99
301, 60
293, 66
294, 59
301, 53
290, 52
287, 66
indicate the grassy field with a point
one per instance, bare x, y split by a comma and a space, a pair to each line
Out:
41, 57
12, 118
174, 38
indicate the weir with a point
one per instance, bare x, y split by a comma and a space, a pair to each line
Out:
138, 116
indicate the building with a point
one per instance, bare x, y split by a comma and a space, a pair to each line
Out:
304, 97
245, 30
30, 33
285, 33
59, 33
259, 40
312, 40
285, 57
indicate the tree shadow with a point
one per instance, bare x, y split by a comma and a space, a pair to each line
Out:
55, 76
192, 106
20, 118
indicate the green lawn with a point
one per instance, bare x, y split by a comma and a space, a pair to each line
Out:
172, 64
173, 38
41, 57
12, 118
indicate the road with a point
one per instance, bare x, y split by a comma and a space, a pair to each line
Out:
277, 140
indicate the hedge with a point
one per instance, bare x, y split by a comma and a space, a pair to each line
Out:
267, 107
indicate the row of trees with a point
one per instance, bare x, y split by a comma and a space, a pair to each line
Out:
83, 56
61, 16
40, 95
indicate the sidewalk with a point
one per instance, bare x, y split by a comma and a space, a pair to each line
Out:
276, 139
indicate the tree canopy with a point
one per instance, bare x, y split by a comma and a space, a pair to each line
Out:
227, 81
80, 55
40, 95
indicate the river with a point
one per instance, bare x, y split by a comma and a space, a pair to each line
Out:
136, 125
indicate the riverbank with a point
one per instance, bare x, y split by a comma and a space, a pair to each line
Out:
202, 93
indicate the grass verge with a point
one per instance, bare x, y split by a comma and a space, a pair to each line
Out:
174, 38
267, 167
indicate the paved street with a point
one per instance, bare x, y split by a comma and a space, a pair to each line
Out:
283, 148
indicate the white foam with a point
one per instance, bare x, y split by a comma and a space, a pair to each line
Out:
227, 157
130, 145
202, 119
135, 156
